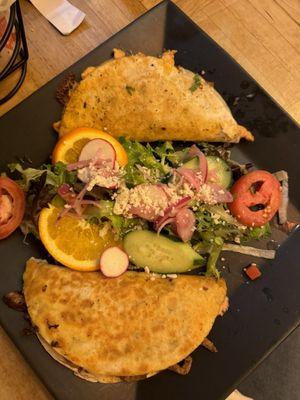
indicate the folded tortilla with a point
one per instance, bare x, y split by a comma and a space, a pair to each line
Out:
110, 329
148, 98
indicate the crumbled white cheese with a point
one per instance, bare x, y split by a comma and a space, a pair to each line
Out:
105, 229
216, 218
121, 200
84, 174
145, 198
102, 175
206, 194
186, 190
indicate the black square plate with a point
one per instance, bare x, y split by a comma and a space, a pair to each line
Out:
262, 313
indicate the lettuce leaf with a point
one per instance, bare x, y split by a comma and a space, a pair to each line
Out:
120, 224
214, 252
213, 221
56, 175
140, 155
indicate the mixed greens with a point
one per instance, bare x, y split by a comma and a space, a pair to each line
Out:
153, 165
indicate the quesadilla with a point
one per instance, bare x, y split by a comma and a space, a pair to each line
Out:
147, 98
110, 329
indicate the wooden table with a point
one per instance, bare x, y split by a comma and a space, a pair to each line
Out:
262, 35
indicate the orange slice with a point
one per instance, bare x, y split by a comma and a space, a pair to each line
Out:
72, 241
70, 145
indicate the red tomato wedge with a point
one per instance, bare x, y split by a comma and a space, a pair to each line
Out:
12, 206
256, 198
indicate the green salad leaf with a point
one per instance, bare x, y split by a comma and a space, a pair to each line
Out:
259, 232
164, 151
216, 221
214, 252
146, 164
141, 156
120, 224
40, 185
56, 175
214, 226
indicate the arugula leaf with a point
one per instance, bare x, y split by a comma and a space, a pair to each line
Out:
214, 226
215, 221
65, 176
196, 83
140, 155
260, 232
120, 224
214, 252
165, 151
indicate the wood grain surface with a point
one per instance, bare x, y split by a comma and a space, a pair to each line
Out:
262, 35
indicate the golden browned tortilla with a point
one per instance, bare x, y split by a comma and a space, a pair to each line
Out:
148, 98
130, 326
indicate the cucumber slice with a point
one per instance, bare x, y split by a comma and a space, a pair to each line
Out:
192, 164
160, 254
222, 174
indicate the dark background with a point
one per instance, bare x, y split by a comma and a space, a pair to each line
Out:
261, 313
277, 378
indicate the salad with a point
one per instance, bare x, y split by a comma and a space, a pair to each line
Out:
116, 204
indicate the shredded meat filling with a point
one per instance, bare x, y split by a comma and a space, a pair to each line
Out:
64, 90
224, 307
288, 226
208, 344
183, 369
15, 300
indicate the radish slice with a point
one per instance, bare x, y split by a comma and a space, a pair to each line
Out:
106, 177
99, 151
78, 164
113, 262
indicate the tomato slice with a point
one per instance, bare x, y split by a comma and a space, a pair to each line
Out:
256, 198
12, 206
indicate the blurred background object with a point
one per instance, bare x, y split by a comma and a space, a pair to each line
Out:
13, 48
61, 13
